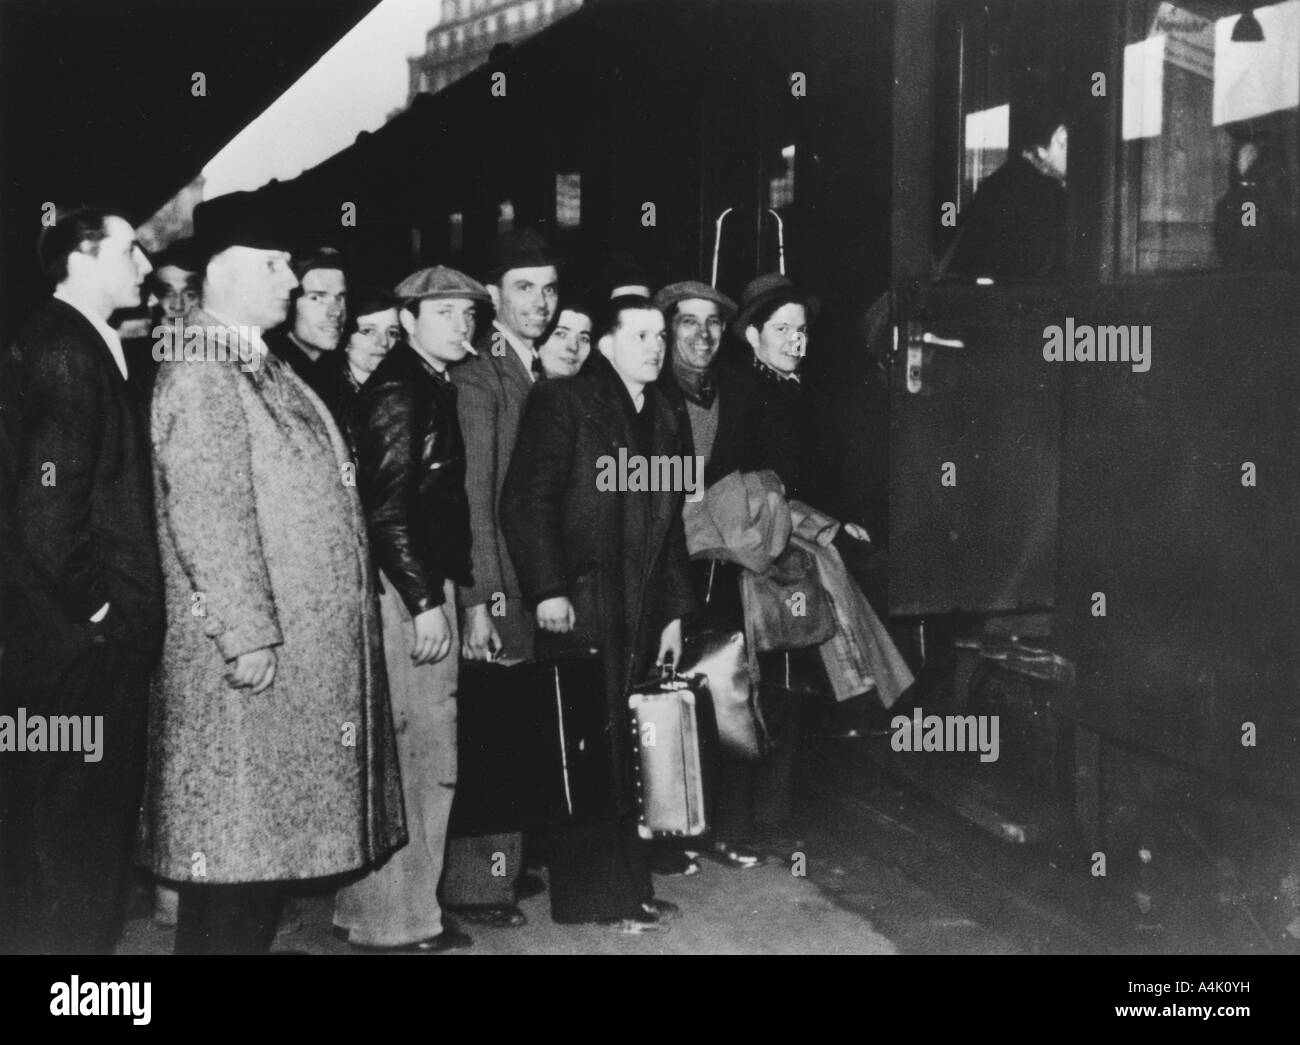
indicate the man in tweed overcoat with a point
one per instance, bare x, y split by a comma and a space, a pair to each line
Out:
272, 750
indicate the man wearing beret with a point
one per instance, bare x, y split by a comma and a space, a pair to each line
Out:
272, 754
411, 473
523, 281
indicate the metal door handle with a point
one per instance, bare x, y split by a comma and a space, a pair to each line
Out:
917, 340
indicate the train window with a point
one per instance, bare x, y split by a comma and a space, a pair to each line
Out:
780, 190
1001, 112
1210, 116
568, 200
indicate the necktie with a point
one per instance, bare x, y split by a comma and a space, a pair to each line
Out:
538, 373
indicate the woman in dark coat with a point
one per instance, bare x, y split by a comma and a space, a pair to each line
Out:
605, 568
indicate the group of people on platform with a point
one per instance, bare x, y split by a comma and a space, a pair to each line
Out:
262, 566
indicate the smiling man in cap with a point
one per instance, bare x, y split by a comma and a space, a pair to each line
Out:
272, 755
411, 474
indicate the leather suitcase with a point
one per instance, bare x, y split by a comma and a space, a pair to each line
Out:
532, 749
668, 718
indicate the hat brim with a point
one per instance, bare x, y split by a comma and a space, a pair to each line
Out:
745, 316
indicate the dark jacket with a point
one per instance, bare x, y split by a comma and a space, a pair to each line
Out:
1014, 227
619, 557
411, 475
775, 426
324, 375
733, 386
492, 390
81, 535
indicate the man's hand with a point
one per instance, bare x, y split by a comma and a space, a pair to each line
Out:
481, 640
555, 614
857, 531
432, 636
670, 643
255, 670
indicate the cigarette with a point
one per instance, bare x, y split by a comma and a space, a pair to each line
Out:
469, 348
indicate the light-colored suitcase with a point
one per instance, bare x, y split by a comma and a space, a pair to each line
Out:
665, 721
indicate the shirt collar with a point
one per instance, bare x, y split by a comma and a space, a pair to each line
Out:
255, 340
771, 371
523, 350
97, 321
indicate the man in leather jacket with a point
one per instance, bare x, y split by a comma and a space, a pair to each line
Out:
411, 477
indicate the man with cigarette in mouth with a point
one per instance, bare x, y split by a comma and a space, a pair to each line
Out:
411, 476
523, 280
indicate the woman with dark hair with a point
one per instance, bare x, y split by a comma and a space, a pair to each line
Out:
565, 345
372, 330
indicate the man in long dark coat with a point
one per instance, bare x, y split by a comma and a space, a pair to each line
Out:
604, 568
81, 595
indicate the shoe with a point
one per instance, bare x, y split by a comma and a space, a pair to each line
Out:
673, 861
645, 922
735, 857
528, 885
493, 916
663, 910
450, 939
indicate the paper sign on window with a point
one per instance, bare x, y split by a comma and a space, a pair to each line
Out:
1252, 79
1144, 81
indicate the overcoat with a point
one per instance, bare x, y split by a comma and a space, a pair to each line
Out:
624, 570
263, 544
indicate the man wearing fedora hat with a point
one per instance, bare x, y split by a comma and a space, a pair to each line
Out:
523, 282
272, 754
411, 473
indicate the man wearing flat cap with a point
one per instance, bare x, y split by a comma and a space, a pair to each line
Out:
272, 755
523, 280
697, 382
411, 474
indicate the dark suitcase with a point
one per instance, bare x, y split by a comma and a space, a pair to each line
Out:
532, 745
669, 718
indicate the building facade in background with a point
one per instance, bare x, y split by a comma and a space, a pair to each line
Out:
468, 31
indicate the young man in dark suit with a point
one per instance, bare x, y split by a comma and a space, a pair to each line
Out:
523, 282
82, 600
603, 568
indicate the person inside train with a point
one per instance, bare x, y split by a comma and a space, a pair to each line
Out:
1013, 229
1255, 220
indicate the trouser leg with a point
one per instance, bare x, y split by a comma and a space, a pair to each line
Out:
68, 823
597, 870
228, 919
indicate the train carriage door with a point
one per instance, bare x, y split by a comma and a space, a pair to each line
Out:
975, 415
